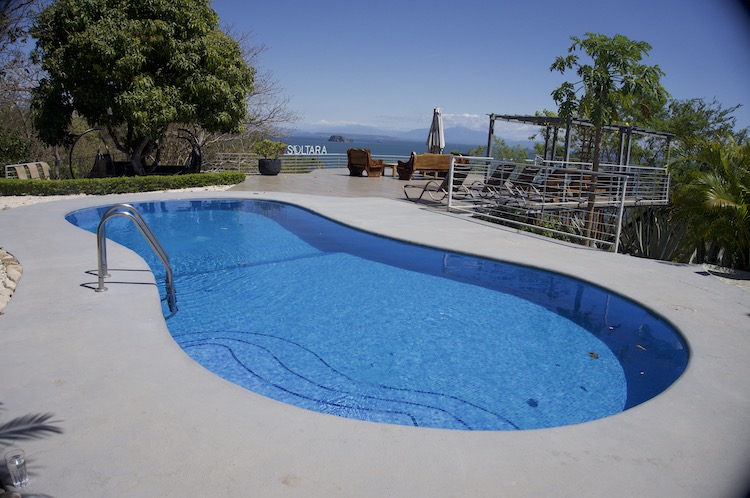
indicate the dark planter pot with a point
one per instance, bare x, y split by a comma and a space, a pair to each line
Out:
269, 166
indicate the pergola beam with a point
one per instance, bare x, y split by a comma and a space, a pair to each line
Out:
625, 133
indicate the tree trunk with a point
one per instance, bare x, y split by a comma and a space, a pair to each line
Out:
136, 158
58, 161
593, 184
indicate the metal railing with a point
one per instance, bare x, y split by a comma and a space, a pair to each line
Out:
130, 212
303, 163
248, 163
569, 203
649, 184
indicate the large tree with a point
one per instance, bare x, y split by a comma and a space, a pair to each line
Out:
15, 17
17, 77
267, 106
502, 151
697, 119
611, 84
136, 67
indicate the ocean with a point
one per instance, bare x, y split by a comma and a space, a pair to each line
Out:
305, 145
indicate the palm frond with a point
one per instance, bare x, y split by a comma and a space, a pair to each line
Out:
28, 427
719, 194
716, 200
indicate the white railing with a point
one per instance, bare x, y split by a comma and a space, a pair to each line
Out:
10, 171
248, 163
648, 184
570, 203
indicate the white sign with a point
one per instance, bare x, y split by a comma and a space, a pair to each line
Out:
305, 150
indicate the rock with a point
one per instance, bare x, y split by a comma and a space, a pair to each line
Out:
15, 268
10, 275
14, 272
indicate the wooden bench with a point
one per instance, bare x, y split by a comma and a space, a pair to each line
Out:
25, 171
424, 163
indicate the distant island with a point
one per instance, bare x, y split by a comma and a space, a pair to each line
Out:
338, 138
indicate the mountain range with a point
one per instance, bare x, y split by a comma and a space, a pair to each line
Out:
455, 135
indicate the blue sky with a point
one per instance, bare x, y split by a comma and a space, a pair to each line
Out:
389, 63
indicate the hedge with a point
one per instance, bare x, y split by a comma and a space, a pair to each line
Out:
117, 185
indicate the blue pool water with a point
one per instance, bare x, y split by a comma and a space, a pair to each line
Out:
307, 311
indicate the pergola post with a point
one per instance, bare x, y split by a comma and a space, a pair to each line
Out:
554, 144
566, 156
546, 142
490, 135
629, 145
621, 146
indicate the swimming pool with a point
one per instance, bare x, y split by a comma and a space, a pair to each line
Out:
307, 311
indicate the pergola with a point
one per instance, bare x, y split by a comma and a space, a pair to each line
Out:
554, 125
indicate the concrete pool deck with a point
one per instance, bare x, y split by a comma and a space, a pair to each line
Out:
140, 418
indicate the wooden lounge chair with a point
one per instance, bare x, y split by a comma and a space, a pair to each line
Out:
359, 160
438, 190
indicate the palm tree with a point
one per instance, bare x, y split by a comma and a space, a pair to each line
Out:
716, 203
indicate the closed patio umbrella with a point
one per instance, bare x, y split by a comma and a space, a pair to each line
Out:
435, 139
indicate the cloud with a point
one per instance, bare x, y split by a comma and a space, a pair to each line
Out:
466, 120
462, 116
515, 131
340, 122
481, 122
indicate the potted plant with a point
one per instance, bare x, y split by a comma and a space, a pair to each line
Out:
270, 164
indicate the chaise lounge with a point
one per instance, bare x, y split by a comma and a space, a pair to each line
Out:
35, 171
438, 190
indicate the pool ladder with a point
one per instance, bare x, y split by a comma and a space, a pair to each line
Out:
129, 211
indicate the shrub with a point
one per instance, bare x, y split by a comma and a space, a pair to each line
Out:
117, 185
269, 149
13, 146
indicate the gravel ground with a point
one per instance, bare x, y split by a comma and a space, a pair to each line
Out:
13, 201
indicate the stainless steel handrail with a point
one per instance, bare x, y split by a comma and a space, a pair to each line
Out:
129, 211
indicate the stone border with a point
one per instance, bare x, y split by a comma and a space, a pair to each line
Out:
10, 274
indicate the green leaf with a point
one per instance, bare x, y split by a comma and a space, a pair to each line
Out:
135, 68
